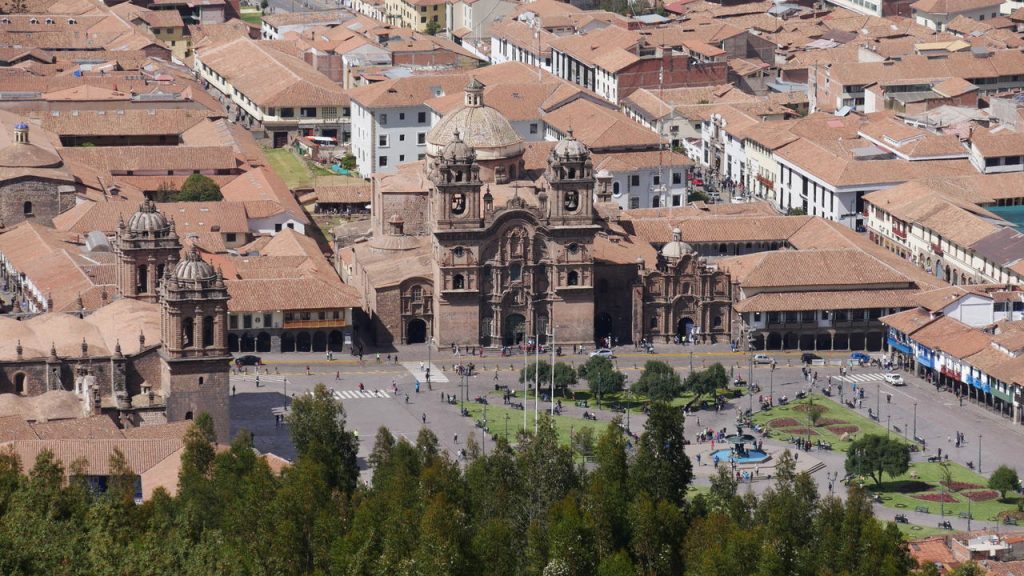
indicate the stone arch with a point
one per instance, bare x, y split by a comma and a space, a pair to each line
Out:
791, 341
319, 342
603, 325
515, 330
263, 342
573, 278
774, 341
416, 331
857, 341
19, 383
807, 341
873, 341
248, 343
458, 282
303, 342
233, 343
841, 341
684, 327
287, 342
189, 415
335, 341
824, 342
757, 341
26, 208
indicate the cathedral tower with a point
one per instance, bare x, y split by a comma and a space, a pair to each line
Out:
193, 323
145, 247
456, 178
570, 174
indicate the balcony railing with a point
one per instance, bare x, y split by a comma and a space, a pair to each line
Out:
937, 249
899, 233
339, 323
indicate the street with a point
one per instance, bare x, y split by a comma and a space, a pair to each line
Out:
991, 440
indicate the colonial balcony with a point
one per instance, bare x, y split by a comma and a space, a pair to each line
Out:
331, 323
937, 248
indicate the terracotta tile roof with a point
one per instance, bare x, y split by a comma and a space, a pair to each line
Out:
953, 219
954, 87
290, 294
263, 184
908, 321
91, 428
280, 19
590, 48
631, 161
521, 35
998, 365
140, 158
817, 268
16, 428
599, 128
615, 249
270, 77
350, 194
931, 550
141, 455
825, 300
952, 337
124, 122
387, 268
172, 430
1003, 143
188, 217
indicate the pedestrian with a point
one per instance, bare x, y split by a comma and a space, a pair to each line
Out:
337, 375
232, 389
396, 358
257, 380
757, 470
888, 398
424, 418
388, 357
456, 438
307, 371
698, 459
495, 374
378, 357
421, 366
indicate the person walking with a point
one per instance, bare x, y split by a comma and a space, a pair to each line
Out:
424, 418
455, 438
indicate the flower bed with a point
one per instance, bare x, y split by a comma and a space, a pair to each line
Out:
936, 497
830, 422
958, 486
840, 430
784, 422
982, 495
800, 431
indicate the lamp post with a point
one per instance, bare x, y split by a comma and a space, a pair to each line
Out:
878, 399
691, 361
771, 381
628, 398
915, 421
430, 344
553, 366
888, 425
286, 394
979, 453
507, 417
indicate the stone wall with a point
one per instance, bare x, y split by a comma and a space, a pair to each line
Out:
192, 387
44, 195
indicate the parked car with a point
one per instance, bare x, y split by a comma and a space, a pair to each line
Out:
895, 379
809, 358
248, 360
860, 357
762, 359
603, 352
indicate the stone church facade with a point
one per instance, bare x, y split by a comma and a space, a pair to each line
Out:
477, 247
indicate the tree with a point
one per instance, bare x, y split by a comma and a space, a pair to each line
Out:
198, 188
698, 196
1004, 479
707, 381
165, 192
542, 370
796, 212
658, 381
318, 430
349, 162
874, 454
815, 412
601, 376
432, 28
661, 467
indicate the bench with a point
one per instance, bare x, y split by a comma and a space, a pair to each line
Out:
1010, 521
921, 509
966, 516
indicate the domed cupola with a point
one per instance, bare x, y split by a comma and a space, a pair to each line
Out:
676, 249
481, 127
194, 269
148, 221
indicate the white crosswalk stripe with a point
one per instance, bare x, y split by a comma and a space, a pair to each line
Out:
359, 394
264, 378
418, 371
874, 377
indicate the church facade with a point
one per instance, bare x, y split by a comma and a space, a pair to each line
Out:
489, 243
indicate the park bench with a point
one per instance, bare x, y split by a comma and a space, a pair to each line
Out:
1010, 521
946, 524
965, 515
516, 405
920, 440
902, 519
921, 509
581, 404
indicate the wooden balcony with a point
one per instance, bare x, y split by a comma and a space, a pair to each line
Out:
289, 324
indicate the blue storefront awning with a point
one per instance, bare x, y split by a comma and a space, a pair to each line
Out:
897, 345
924, 358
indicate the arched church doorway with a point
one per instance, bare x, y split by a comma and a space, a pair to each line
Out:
515, 329
684, 328
416, 331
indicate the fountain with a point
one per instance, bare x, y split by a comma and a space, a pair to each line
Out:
739, 453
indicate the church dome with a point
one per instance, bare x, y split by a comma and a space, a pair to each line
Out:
570, 148
481, 127
457, 151
23, 154
676, 248
147, 219
193, 267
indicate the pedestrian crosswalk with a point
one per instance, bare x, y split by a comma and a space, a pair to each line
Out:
419, 372
359, 394
850, 378
262, 378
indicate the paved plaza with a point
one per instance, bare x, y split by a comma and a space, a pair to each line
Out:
917, 408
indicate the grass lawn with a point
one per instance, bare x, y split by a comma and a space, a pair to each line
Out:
913, 531
496, 421
791, 420
904, 491
252, 16
292, 169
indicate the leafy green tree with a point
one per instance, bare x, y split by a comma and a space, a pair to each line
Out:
607, 492
796, 212
198, 188
968, 569
382, 446
661, 467
706, 382
432, 28
658, 381
318, 430
873, 455
601, 376
617, 564
541, 369
697, 196
1004, 479
547, 468
348, 162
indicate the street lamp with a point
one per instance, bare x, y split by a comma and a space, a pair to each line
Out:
878, 399
286, 394
506, 426
979, 455
888, 425
915, 421
430, 345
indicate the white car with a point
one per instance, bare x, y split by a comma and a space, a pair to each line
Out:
603, 352
762, 359
895, 379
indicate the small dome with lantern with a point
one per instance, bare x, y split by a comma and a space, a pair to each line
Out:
676, 248
148, 220
194, 268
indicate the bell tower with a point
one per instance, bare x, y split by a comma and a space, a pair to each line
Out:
570, 173
193, 324
456, 178
146, 246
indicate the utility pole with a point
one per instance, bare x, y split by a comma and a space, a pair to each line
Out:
979, 455
915, 424
552, 361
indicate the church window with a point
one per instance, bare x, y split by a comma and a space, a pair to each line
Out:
458, 204
716, 322
187, 332
686, 287
572, 200
417, 293
202, 380
515, 272
188, 415
142, 279
574, 248
459, 251
654, 323
207, 331
459, 282
615, 189
573, 278
19, 383
27, 208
